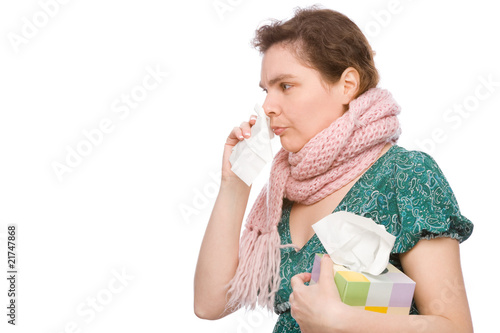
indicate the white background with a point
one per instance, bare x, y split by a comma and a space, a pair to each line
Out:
139, 202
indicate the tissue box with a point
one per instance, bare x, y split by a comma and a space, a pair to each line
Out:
389, 292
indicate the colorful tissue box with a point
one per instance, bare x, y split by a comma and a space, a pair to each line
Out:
389, 292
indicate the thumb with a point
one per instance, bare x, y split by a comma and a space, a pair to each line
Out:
327, 280
326, 273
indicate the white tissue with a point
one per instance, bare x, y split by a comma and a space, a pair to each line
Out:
355, 242
251, 155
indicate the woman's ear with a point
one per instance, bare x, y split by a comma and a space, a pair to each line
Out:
349, 85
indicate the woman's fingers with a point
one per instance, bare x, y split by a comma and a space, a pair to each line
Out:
300, 279
246, 127
237, 134
253, 119
244, 130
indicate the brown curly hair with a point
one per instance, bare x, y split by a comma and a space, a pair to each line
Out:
325, 40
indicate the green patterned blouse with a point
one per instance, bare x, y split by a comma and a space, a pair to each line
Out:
406, 192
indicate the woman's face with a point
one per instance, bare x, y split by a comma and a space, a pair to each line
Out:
298, 102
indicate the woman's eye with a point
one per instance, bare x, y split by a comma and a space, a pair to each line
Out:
264, 90
285, 86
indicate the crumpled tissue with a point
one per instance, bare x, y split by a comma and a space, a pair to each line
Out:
251, 155
355, 242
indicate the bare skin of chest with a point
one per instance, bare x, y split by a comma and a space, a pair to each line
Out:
302, 217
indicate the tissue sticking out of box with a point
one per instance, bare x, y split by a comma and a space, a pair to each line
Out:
355, 242
251, 155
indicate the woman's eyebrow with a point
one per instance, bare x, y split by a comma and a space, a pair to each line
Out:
277, 79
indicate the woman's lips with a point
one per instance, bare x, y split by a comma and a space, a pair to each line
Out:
278, 130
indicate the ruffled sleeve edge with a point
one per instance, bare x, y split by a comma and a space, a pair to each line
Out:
456, 227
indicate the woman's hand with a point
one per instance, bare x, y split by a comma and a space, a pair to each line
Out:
317, 308
237, 134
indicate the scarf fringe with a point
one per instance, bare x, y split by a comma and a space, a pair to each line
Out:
260, 250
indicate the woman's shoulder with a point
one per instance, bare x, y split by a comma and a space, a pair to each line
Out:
398, 157
401, 165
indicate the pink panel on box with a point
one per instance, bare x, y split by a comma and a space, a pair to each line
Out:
402, 291
316, 269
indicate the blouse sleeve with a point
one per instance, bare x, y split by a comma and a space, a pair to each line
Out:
427, 206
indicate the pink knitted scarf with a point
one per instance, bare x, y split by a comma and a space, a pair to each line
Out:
330, 160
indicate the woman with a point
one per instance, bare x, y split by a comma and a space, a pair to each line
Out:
338, 132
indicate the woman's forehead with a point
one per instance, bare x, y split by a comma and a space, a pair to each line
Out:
279, 63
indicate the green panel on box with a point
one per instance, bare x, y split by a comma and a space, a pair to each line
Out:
341, 283
357, 293
352, 293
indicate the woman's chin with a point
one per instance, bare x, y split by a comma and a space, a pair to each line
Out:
291, 147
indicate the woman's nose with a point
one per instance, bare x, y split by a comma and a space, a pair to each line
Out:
271, 107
